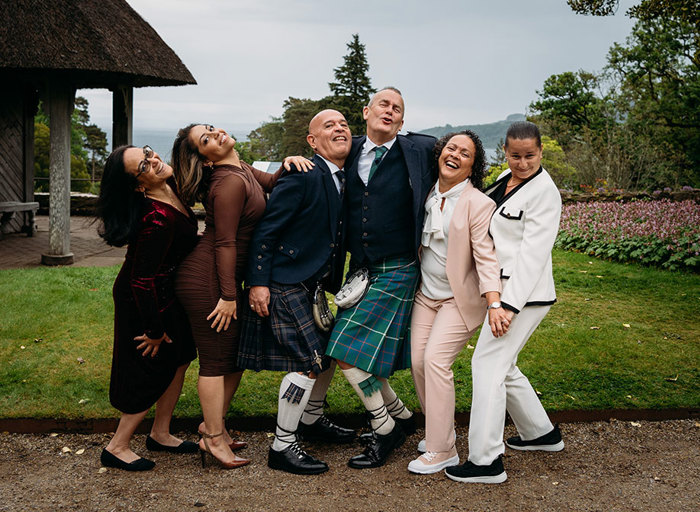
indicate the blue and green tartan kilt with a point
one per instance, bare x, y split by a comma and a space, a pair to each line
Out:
372, 335
288, 340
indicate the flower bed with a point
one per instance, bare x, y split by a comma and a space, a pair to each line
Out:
661, 233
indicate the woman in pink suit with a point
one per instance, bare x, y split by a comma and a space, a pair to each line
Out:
459, 282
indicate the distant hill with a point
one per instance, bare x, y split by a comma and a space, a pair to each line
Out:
491, 134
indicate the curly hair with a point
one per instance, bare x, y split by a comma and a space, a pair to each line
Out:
191, 175
479, 167
119, 205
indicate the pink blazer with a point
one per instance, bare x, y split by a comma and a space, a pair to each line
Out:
472, 266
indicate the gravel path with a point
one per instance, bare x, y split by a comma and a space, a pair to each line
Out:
616, 465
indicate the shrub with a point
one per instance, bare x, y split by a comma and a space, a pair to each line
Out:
661, 233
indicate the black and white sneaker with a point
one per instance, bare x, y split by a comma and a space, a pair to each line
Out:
550, 442
471, 473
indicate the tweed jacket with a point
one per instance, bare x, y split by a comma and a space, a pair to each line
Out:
472, 268
524, 227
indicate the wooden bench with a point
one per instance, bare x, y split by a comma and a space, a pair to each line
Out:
8, 209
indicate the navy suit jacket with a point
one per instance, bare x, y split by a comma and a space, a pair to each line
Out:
298, 233
417, 150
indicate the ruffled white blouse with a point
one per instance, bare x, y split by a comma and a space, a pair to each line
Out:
434, 283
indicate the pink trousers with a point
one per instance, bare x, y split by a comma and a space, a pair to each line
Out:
438, 334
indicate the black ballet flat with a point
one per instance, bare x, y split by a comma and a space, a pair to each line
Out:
183, 447
109, 460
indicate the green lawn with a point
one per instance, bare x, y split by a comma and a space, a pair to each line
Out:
643, 353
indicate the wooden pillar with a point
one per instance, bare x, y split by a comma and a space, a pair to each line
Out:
122, 115
61, 103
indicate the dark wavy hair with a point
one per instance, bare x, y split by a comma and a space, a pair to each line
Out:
479, 167
191, 175
119, 205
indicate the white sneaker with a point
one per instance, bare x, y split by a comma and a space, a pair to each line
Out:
421, 444
424, 464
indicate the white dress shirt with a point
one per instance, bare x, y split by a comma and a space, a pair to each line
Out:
433, 264
334, 169
364, 164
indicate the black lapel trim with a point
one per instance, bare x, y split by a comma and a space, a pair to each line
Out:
512, 192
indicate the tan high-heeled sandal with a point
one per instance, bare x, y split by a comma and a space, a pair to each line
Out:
235, 463
235, 445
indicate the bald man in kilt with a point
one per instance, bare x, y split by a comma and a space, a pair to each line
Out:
294, 248
388, 179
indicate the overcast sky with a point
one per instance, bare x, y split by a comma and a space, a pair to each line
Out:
456, 61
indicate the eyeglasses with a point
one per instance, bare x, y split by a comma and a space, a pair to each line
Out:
145, 165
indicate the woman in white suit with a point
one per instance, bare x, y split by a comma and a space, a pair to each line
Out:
459, 280
524, 227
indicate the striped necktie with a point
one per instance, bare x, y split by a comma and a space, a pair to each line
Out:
379, 153
341, 179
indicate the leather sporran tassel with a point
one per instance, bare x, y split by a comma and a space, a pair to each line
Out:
323, 316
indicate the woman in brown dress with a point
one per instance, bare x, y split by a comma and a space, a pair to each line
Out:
208, 169
153, 345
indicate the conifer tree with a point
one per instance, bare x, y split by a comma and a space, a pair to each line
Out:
352, 87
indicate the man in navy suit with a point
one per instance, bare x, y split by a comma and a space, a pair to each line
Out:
296, 247
388, 179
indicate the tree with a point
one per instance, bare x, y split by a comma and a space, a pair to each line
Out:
659, 74
78, 170
286, 135
295, 122
84, 138
352, 88
266, 140
96, 143
637, 124
555, 161
569, 103
686, 10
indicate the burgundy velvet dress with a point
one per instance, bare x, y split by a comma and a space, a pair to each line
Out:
215, 269
145, 302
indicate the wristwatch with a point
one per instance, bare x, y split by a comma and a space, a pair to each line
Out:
494, 305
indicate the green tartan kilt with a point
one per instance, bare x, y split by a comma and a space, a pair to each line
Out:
372, 335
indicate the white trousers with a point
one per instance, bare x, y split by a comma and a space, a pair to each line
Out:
438, 334
498, 385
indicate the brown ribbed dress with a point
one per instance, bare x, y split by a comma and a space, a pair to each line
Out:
215, 268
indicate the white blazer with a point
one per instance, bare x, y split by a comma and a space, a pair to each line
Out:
524, 228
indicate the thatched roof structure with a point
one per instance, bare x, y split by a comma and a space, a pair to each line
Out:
89, 43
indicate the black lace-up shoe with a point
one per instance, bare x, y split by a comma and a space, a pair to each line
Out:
378, 449
295, 460
324, 430
408, 426
471, 473
550, 442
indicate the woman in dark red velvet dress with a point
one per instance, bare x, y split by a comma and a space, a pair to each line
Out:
153, 343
